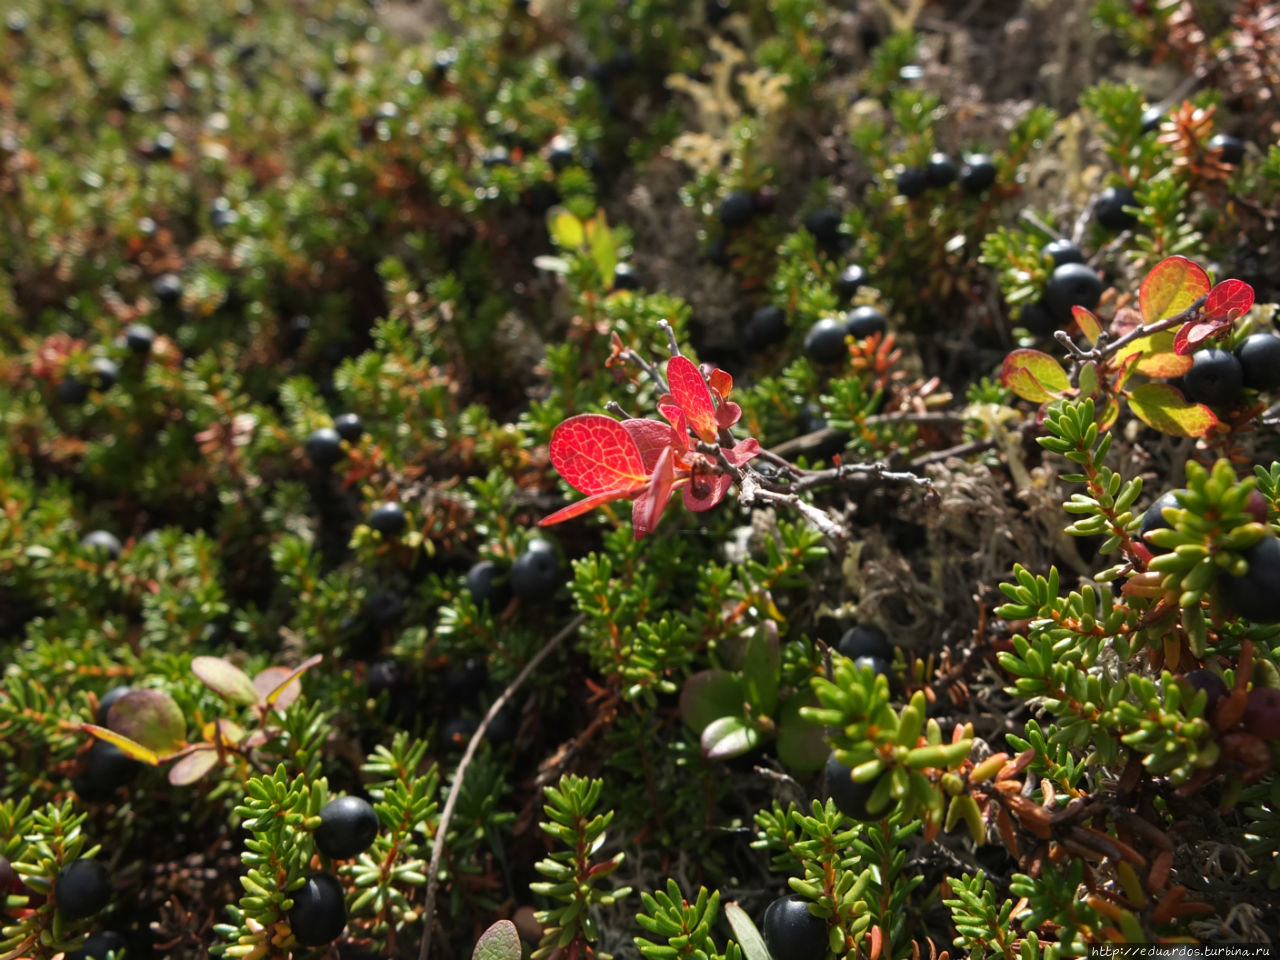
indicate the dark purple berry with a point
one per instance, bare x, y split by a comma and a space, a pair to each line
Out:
1062, 251
107, 768
1110, 208
1259, 356
167, 288
849, 796
71, 389
1230, 150
940, 171
82, 889
347, 827
1215, 378
736, 209
102, 542
349, 427
824, 223
825, 342
865, 640
912, 181
319, 910
324, 447
851, 278
978, 173
1262, 712
767, 327
1154, 518
792, 932
1256, 595
388, 519
384, 608
625, 277
535, 574
1072, 285
1151, 119
560, 152
1214, 686
1036, 318
864, 321
98, 945
106, 373
138, 337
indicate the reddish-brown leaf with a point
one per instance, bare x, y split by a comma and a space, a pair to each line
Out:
648, 506
584, 506
596, 454
651, 437
1173, 284
692, 395
1191, 335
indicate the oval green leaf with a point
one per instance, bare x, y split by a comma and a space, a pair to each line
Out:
709, 695
565, 229
151, 718
500, 942
1173, 284
1087, 323
728, 737
193, 766
1161, 406
802, 744
225, 679
746, 933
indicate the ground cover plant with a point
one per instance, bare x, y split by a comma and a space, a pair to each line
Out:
771, 480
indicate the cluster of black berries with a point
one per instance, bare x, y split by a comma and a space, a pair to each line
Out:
1217, 378
348, 826
1073, 283
533, 575
975, 176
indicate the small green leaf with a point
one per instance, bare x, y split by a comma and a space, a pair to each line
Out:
1089, 379
1161, 406
225, 679
760, 668
801, 744
604, 249
565, 229
710, 695
151, 718
728, 737
746, 933
500, 942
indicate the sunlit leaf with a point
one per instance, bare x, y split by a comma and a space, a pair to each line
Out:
651, 437
1192, 335
1088, 379
648, 506
1161, 406
500, 942
1173, 284
728, 737
1156, 356
127, 746
565, 229
604, 249
746, 933
1229, 298
225, 679
151, 718
1034, 375
271, 678
595, 454
285, 687
691, 394
580, 507
1088, 323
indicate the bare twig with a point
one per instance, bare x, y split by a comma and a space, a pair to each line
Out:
963, 450
437, 848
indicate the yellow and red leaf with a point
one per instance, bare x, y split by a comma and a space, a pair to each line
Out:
691, 393
1173, 284
596, 454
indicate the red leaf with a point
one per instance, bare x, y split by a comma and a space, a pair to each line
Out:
727, 413
720, 381
706, 490
743, 451
1191, 335
1229, 298
648, 507
691, 393
1172, 285
652, 437
584, 506
595, 454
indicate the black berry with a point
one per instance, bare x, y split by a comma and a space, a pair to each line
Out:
940, 170
349, 427
1151, 118
1230, 150
864, 321
536, 572
736, 209
1214, 686
107, 768
716, 10
1109, 209
97, 946
791, 932
1072, 285
138, 337
82, 889
825, 341
1256, 595
1154, 519
388, 519
106, 373
167, 288
347, 827
851, 278
384, 608
324, 447
625, 277
880, 666
319, 910
465, 679
71, 389
1036, 318
106, 701
383, 675
865, 640
560, 152
482, 582
457, 732
1216, 378
1259, 356
1262, 712
849, 796
912, 181
102, 542
978, 173
1062, 251
767, 326
824, 223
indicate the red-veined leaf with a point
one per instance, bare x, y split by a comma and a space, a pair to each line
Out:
1156, 356
586, 506
595, 454
1087, 323
1173, 284
1161, 406
1230, 297
1191, 335
1034, 376
648, 506
651, 437
675, 416
125, 744
691, 394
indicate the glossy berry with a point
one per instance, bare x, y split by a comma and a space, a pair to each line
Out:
851, 278
383, 675
1259, 356
167, 288
767, 327
716, 10
484, 584
102, 542
625, 277
82, 889
457, 732
1154, 519
791, 932
1109, 209
107, 768
106, 701
105, 373
1151, 118
349, 427
864, 321
1036, 318
1216, 378
465, 679
1072, 285
865, 640
536, 572
825, 341
978, 173
824, 223
319, 910
97, 946
736, 209
324, 447
880, 666
912, 182
849, 796
138, 337
1230, 150
347, 827
560, 152
1062, 251
1262, 712
1256, 595
72, 389
383, 608
940, 170
1214, 686
388, 519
